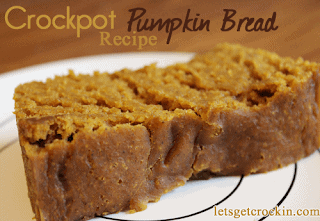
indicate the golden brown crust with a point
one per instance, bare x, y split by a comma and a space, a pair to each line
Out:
91, 149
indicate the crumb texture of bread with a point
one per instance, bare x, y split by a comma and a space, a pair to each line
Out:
104, 143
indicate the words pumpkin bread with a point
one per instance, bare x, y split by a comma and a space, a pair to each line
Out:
100, 144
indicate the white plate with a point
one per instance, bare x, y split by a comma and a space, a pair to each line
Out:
292, 188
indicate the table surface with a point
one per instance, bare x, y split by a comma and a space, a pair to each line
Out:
297, 34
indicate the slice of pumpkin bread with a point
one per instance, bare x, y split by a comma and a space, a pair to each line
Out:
105, 143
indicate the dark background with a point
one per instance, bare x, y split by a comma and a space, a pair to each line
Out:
298, 33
